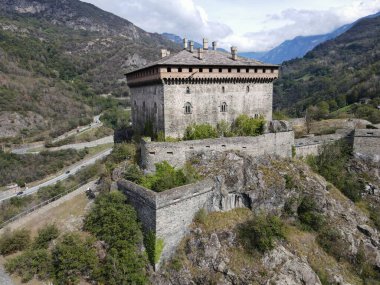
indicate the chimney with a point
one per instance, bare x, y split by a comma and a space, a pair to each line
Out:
184, 43
191, 46
234, 53
205, 44
200, 53
214, 44
163, 53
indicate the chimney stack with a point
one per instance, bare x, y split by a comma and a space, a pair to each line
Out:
163, 53
191, 46
234, 53
184, 43
200, 53
214, 44
205, 44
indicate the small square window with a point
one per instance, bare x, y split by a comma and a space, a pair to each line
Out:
220, 70
229, 70
169, 69
210, 70
200, 69
238, 70
180, 69
247, 70
190, 69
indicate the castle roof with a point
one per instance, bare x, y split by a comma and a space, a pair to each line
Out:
209, 58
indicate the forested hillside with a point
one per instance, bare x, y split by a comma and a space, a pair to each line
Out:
335, 74
57, 56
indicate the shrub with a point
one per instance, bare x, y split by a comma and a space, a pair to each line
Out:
260, 232
14, 241
115, 222
200, 216
73, 258
133, 173
45, 236
154, 247
201, 131
167, 177
247, 126
224, 129
333, 243
308, 214
30, 264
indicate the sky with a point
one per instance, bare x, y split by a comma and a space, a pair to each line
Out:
251, 25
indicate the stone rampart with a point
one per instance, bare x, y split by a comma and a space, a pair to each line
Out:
168, 213
367, 143
312, 145
178, 152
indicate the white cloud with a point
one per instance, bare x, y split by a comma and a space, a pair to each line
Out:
190, 18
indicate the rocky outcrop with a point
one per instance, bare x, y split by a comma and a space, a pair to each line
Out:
275, 186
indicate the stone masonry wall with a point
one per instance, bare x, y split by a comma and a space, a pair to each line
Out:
177, 153
367, 143
168, 213
312, 145
206, 101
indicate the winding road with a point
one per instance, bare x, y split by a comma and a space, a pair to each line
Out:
69, 171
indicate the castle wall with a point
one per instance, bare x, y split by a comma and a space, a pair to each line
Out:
206, 99
177, 153
367, 143
168, 213
312, 145
148, 106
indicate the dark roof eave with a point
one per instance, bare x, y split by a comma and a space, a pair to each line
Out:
203, 65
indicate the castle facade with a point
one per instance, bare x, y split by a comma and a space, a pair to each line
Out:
199, 86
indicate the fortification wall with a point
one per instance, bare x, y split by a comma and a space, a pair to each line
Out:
312, 145
367, 143
168, 213
177, 153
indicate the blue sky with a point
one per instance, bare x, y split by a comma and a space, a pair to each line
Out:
251, 25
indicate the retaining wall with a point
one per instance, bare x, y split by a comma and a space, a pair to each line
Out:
168, 213
367, 143
312, 145
178, 153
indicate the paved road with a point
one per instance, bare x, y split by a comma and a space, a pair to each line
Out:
69, 171
22, 149
83, 145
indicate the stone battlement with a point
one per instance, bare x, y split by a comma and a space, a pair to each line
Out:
177, 153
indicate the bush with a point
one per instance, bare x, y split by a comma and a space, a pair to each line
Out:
167, 177
30, 264
115, 222
73, 258
154, 247
247, 126
14, 241
198, 132
45, 236
308, 214
200, 216
261, 232
224, 129
333, 243
133, 173
331, 164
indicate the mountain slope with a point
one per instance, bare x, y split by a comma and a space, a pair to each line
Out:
71, 46
299, 46
339, 71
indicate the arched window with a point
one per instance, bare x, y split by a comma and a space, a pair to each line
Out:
223, 89
187, 90
223, 107
188, 108
247, 89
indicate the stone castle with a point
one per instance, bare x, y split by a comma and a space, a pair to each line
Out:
199, 86
207, 86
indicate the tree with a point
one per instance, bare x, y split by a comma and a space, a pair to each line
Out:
74, 257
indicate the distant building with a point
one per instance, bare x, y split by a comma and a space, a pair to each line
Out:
199, 86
